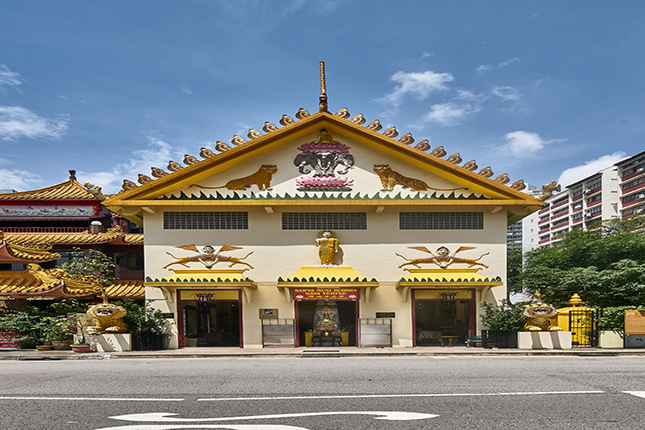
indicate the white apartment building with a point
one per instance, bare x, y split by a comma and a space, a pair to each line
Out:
613, 192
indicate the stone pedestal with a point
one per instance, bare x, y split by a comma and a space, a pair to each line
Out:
544, 340
609, 339
110, 342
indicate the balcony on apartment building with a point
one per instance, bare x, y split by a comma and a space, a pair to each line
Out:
592, 192
559, 203
632, 199
636, 185
633, 172
634, 211
560, 225
560, 214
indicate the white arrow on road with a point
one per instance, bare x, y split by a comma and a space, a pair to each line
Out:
636, 393
168, 417
179, 426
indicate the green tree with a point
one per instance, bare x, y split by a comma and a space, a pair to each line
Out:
606, 266
91, 262
513, 271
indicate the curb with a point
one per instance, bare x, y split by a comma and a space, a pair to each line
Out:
28, 355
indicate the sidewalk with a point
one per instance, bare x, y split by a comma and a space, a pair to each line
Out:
327, 352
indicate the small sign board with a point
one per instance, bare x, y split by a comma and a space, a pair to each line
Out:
325, 294
634, 322
385, 315
169, 315
268, 314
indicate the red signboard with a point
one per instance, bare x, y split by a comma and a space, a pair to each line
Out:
325, 294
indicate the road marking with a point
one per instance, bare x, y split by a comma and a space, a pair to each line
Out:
377, 396
205, 426
168, 417
636, 393
94, 399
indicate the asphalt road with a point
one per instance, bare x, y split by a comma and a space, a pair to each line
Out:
329, 393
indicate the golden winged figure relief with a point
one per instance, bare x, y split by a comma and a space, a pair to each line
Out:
442, 258
208, 256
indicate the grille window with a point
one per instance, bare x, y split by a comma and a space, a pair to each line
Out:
206, 220
441, 220
324, 221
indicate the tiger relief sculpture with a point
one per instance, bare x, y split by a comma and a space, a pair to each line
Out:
537, 315
108, 317
261, 178
389, 179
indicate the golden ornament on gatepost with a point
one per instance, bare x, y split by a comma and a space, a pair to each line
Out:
581, 318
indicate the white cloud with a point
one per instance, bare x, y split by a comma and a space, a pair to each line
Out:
186, 90
417, 84
157, 154
425, 54
451, 113
19, 180
465, 103
9, 78
16, 121
575, 174
523, 143
487, 67
507, 93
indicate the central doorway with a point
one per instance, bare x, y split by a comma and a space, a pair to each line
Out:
318, 321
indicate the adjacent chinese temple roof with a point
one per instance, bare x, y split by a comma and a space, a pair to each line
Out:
68, 190
24, 254
40, 283
73, 238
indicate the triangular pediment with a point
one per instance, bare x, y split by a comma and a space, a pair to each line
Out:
297, 157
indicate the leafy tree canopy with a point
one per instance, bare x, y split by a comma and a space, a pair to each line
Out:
91, 262
605, 266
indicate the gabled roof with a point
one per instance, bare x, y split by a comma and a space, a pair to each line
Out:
25, 254
83, 238
25, 285
146, 195
68, 190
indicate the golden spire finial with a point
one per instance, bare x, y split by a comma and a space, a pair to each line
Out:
322, 106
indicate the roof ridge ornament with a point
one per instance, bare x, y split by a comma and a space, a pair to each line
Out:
322, 106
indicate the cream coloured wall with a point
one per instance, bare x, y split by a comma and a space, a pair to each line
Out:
280, 253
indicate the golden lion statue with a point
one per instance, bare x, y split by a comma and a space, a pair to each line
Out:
537, 315
108, 317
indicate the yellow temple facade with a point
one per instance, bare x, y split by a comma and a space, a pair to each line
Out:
325, 229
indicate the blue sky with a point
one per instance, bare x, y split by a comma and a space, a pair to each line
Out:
541, 90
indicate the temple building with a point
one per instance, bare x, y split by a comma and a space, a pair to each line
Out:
40, 228
324, 230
